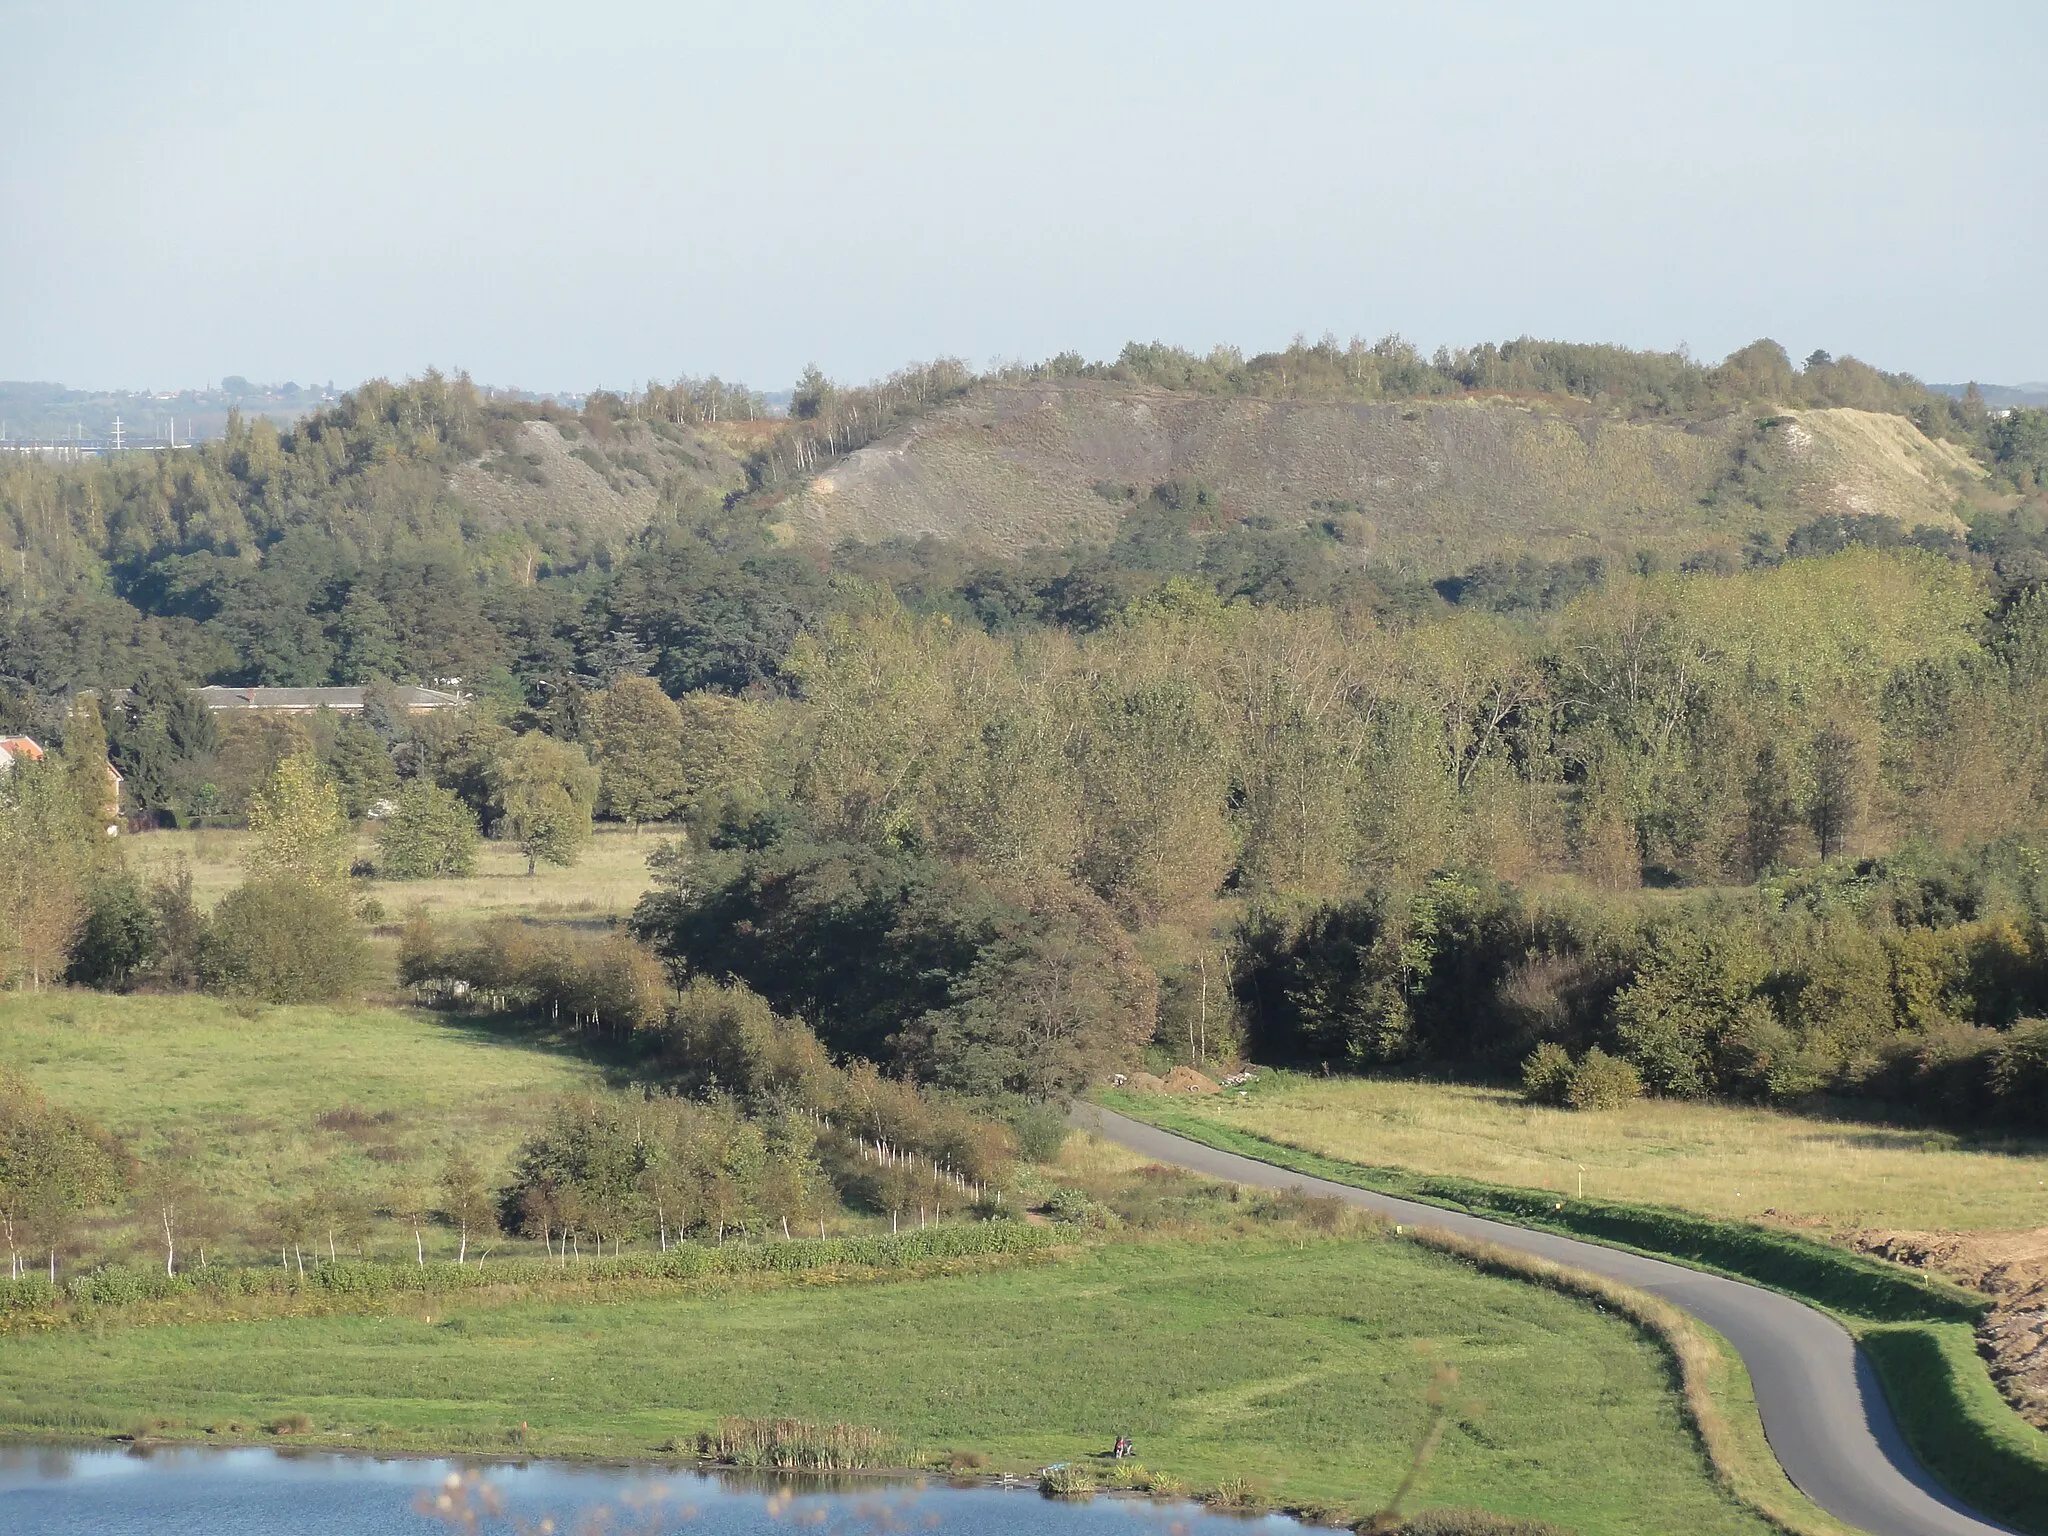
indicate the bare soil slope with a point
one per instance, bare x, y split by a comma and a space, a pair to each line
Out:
1430, 483
614, 486
1860, 463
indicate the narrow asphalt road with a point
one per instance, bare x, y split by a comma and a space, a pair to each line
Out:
1822, 1408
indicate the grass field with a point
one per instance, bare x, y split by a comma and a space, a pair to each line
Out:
604, 883
242, 1090
1304, 1365
1717, 1159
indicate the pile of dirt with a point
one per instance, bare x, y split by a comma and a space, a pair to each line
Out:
1143, 1082
2010, 1267
2014, 1343
1011, 466
1188, 1080
556, 477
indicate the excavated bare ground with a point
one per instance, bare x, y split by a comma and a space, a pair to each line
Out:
2011, 1268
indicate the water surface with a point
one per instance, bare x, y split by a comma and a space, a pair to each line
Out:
163, 1491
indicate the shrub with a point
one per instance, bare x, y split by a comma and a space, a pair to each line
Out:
2018, 1074
1070, 1205
283, 940
1601, 1081
1547, 1074
119, 934
1041, 1132
430, 835
1234, 1493
728, 1037
179, 928
794, 1445
1067, 1481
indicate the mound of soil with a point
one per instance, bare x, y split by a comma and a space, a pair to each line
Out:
1188, 1080
1144, 1082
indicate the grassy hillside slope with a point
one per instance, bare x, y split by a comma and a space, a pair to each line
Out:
1430, 484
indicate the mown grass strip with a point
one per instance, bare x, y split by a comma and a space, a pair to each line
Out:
1719, 1401
1846, 1283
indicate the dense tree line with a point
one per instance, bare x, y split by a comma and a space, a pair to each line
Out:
1645, 384
1353, 791
1916, 983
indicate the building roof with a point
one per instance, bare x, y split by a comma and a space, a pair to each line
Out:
13, 747
344, 700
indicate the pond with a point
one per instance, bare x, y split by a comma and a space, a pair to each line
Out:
164, 1491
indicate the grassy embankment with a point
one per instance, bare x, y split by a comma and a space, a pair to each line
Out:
1303, 1364
1917, 1328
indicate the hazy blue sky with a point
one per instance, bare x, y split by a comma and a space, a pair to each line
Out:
562, 196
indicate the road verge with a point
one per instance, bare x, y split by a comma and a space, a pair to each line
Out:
1915, 1329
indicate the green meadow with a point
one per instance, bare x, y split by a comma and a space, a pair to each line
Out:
1304, 1366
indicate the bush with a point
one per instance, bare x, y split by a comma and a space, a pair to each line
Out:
1546, 1074
179, 928
2018, 1076
1041, 1131
431, 835
609, 984
119, 935
1067, 1481
283, 940
729, 1038
795, 1445
1601, 1081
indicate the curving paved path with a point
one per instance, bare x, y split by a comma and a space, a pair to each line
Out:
1823, 1411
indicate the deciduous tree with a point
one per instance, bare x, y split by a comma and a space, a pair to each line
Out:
543, 790
300, 830
430, 834
639, 751
45, 858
